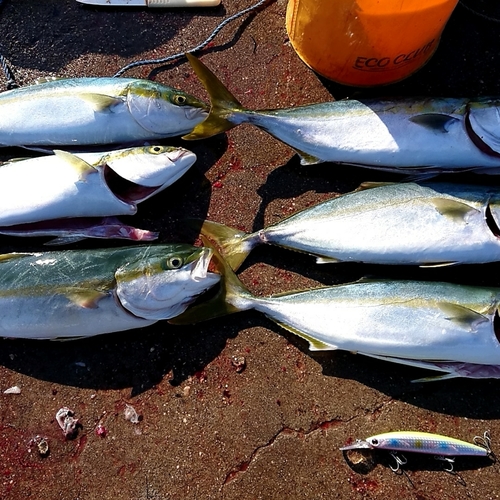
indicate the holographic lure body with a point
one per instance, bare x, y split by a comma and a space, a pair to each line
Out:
442, 447
423, 442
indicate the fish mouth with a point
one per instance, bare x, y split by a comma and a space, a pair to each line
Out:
132, 191
183, 160
200, 271
197, 113
127, 191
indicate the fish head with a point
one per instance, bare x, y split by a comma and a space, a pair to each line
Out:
150, 166
135, 174
164, 280
164, 110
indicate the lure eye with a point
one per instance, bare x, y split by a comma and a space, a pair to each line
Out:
179, 99
374, 442
174, 263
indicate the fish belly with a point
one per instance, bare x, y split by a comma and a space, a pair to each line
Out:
407, 232
55, 316
377, 136
401, 322
66, 120
47, 188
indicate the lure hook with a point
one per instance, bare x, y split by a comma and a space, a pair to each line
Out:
400, 460
449, 460
484, 441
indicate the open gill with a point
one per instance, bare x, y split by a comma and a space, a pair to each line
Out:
477, 139
490, 221
125, 190
496, 325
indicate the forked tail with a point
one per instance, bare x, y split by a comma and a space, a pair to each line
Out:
234, 245
232, 296
224, 104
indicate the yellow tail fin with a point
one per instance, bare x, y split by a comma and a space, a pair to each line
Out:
223, 103
224, 302
234, 245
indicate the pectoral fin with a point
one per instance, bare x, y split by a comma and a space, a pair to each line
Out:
462, 316
307, 159
80, 166
83, 297
453, 209
101, 103
435, 121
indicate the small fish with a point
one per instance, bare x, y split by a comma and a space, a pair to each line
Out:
442, 447
450, 328
81, 293
72, 230
423, 224
89, 111
429, 134
67, 186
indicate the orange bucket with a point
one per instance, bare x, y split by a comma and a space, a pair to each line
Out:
366, 42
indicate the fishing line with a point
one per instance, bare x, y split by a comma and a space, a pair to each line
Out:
203, 44
11, 81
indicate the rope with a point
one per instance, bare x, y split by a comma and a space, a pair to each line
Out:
11, 81
203, 44
479, 14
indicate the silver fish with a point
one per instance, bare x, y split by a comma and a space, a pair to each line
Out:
427, 224
65, 185
439, 326
67, 231
83, 111
81, 293
431, 134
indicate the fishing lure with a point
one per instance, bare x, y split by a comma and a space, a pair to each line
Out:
442, 447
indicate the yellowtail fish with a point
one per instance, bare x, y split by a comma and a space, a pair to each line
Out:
431, 134
67, 186
83, 111
426, 443
450, 328
432, 224
81, 293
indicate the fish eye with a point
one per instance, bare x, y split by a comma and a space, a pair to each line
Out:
156, 149
179, 99
174, 262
